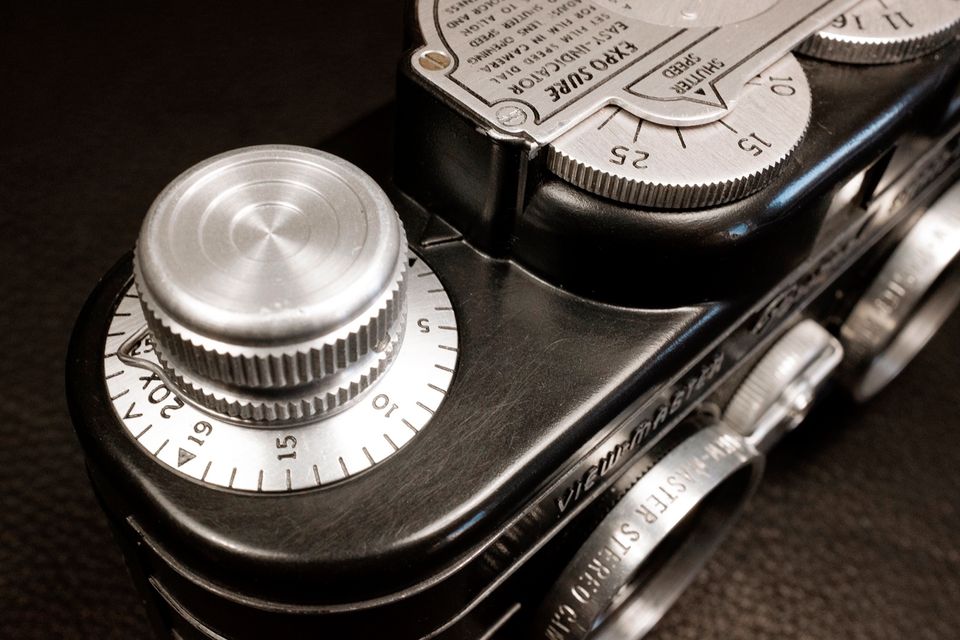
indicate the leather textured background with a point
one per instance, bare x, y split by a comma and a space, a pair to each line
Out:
855, 532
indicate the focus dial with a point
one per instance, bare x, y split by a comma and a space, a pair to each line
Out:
619, 156
272, 280
886, 31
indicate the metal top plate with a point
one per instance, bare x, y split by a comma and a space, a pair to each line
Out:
536, 68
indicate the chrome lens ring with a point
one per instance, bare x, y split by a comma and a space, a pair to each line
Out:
650, 546
910, 299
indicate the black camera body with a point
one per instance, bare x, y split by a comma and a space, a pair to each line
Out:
594, 336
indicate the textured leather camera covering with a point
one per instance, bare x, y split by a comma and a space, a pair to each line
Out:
855, 531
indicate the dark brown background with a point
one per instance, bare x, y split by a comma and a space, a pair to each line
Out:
855, 533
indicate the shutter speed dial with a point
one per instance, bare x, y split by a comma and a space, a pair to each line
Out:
619, 156
277, 335
886, 31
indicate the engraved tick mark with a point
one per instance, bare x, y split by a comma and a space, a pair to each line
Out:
680, 135
145, 429
392, 444
131, 295
436, 388
121, 315
410, 426
157, 452
206, 470
114, 375
116, 333
316, 474
122, 393
611, 117
443, 346
369, 457
425, 274
233, 475
443, 368
260, 481
434, 290
446, 327
289, 481
443, 308
424, 407
728, 126
343, 467
636, 134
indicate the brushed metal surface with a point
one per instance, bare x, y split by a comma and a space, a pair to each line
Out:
273, 272
886, 31
220, 452
617, 155
536, 70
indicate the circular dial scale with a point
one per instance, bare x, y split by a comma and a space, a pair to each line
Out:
277, 336
616, 155
886, 31
226, 453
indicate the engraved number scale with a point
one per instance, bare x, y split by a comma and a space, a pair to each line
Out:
886, 31
302, 223
620, 156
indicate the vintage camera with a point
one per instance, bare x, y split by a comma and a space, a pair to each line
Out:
520, 383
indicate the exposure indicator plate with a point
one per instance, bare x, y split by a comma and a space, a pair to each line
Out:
537, 69
617, 155
246, 457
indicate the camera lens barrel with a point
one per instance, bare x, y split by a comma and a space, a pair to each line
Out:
911, 297
653, 542
617, 585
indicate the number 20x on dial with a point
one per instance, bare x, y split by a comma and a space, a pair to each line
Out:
226, 454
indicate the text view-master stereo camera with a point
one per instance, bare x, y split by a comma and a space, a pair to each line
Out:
519, 386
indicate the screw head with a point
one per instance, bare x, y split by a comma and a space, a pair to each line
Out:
434, 60
511, 115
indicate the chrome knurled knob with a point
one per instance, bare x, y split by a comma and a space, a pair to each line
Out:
886, 31
272, 281
779, 391
616, 155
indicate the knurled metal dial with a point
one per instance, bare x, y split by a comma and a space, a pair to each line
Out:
886, 31
619, 156
277, 334
272, 279
780, 390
